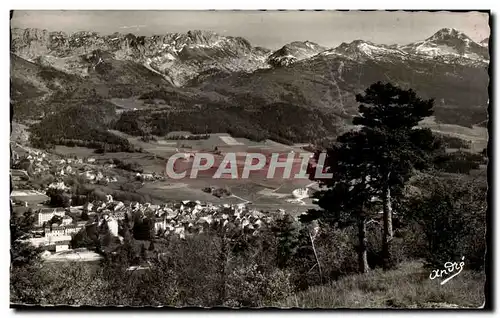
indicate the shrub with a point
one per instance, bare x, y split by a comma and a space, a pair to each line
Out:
452, 214
207, 190
458, 162
248, 286
336, 251
131, 166
148, 138
97, 195
58, 198
221, 192
130, 186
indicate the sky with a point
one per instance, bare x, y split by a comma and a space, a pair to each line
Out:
271, 29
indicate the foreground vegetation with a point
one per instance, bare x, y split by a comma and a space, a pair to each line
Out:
285, 265
408, 286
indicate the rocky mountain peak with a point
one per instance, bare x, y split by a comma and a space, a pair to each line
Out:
485, 42
449, 43
451, 37
447, 33
293, 52
202, 37
179, 56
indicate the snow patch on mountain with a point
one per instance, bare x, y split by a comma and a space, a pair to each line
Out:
485, 42
362, 50
293, 52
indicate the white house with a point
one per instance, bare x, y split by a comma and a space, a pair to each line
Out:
67, 220
44, 215
62, 246
113, 226
160, 224
99, 176
119, 206
88, 175
58, 185
72, 229
56, 231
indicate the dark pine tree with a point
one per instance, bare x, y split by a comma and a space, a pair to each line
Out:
286, 234
151, 246
143, 252
393, 146
376, 160
84, 216
348, 197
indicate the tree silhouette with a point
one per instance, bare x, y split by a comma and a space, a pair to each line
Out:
348, 198
286, 234
85, 216
143, 252
393, 146
58, 198
151, 246
377, 159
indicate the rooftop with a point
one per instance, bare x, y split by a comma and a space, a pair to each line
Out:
29, 196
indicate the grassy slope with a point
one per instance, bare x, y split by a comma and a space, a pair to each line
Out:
408, 286
477, 136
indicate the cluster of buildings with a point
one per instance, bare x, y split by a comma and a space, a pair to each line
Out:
56, 226
299, 195
43, 163
86, 169
181, 219
55, 236
149, 177
190, 217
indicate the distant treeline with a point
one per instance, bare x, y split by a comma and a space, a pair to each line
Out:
131, 166
277, 121
148, 138
99, 146
81, 192
453, 142
189, 137
84, 126
459, 162
466, 117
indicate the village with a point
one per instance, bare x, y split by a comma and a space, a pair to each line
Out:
55, 227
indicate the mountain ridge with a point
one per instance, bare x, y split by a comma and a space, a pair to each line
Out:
182, 57
178, 56
228, 74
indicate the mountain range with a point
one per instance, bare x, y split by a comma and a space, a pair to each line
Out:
227, 75
180, 57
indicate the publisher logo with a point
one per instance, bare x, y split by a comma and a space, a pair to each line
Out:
450, 268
